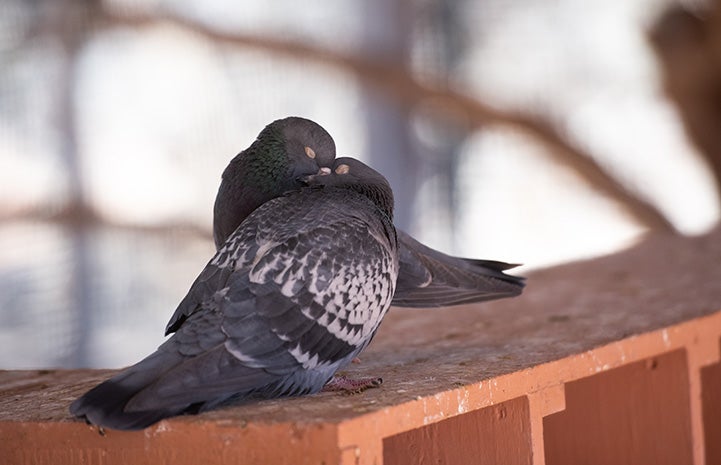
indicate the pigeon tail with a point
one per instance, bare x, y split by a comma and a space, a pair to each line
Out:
429, 278
104, 405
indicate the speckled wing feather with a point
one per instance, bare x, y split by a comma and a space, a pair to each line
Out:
429, 278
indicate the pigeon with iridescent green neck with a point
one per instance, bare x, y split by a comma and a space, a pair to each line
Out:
284, 150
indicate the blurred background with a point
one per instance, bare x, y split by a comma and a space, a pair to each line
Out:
520, 130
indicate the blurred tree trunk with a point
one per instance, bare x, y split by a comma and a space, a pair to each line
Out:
393, 148
688, 45
387, 40
442, 158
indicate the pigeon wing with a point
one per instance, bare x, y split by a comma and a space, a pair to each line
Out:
429, 278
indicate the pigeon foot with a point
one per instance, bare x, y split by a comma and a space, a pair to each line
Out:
347, 385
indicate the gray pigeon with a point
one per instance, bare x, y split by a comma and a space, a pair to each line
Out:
284, 150
428, 278
293, 295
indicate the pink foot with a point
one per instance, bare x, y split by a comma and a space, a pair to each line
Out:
351, 386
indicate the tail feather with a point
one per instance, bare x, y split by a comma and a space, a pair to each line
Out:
167, 384
429, 278
104, 405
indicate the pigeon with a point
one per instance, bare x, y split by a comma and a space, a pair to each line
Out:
284, 151
294, 294
428, 277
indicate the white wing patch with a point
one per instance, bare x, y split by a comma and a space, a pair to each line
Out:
247, 360
263, 249
309, 361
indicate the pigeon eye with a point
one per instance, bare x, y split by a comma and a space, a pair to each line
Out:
342, 169
309, 151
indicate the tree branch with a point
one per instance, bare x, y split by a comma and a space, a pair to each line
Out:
397, 82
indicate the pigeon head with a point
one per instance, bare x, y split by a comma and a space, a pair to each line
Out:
284, 151
349, 173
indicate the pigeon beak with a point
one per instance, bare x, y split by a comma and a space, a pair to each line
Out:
324, 171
